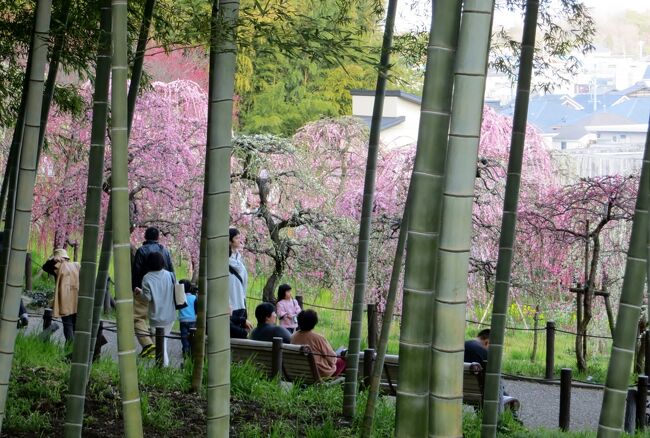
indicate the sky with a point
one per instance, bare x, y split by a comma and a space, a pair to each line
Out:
412, 17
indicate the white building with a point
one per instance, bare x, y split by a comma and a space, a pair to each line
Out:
400, 119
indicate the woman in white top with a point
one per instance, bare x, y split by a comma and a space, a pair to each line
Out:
238, 279
158, 289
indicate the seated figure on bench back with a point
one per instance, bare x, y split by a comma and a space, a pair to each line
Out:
266, 329
476, 350
327, 361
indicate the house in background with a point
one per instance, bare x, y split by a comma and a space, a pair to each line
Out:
401, 116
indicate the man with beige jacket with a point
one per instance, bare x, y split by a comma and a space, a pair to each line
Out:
66, 292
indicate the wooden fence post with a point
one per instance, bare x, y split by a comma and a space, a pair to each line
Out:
565, 398
299, 299
372, 326
190, 338
646, 339
160, 346
641, 400
98, 341
629, 422
533, 355
368, 363
28, 271
550, 349
47, 318
276, 358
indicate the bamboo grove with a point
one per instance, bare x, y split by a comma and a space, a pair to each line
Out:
434, 236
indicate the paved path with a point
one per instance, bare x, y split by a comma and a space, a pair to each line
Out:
540, 405
539, 402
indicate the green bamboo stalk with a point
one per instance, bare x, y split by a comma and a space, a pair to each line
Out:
81, 353
138, 62
107, 240
198, 348
448, 316
101, 279
629, 311
53, 69
508, 222
424, 222
361, 273
223, 53
24, 199
120, 216
382, 345
11, 175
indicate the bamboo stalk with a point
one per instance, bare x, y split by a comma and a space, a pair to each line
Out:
448, 319
223, 53
491, 401
612, 412
120, 216
81, 352
24, 199
361, 272
412, 408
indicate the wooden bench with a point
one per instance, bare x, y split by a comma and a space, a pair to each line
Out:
473, 380
294, 363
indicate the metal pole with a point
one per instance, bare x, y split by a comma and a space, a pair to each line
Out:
565, 399
550, 349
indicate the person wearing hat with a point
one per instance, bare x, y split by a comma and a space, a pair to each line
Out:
66, 291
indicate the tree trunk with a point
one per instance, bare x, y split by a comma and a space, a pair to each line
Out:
268, 293
121, 246
491, 400
136, 72
424, 223
82, 352
24, 199
361, 271
223, 55
636, 268
587, 307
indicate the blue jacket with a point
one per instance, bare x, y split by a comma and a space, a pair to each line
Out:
188, 314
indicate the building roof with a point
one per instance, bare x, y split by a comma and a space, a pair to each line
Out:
389, 93
577, 130
386, 122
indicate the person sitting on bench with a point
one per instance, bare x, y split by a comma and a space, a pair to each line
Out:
476, 350
329, 364
266, 329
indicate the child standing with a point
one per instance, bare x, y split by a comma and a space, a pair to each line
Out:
287, 308
187, 317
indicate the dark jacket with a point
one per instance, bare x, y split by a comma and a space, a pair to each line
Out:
266, 332
139, 270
